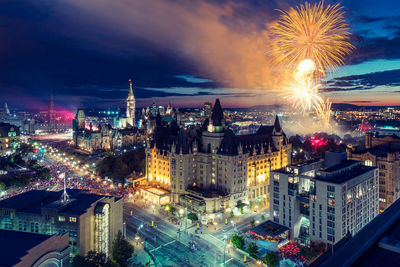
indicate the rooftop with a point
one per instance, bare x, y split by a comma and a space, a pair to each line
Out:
157, 191
16, 245
269, 228
334, 175
36, 200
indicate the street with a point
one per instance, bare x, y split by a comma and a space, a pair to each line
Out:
171, 247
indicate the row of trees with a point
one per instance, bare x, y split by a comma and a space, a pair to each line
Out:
119, 167
121, 252
271, 258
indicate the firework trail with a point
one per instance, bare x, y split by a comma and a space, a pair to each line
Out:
323, 111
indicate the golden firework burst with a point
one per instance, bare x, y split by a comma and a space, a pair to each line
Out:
312, 31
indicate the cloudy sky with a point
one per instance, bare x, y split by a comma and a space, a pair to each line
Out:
180, 51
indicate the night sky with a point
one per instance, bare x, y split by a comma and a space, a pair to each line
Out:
184, 52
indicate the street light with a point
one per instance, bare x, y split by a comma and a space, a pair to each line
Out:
225, 240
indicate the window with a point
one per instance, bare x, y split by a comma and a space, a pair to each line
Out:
331, 188
72, 219
368, 163
61, 218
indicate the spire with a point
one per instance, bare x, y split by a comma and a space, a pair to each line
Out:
158, 119
217, 114
130, 94
7, 111
51, 101
277, 125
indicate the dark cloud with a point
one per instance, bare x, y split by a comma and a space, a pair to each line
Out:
367, 19
363, 82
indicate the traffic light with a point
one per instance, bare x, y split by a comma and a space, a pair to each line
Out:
131, 213
244, 259
152, 223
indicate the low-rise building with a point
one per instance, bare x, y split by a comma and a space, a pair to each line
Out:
91, 221
324, 199
21, 249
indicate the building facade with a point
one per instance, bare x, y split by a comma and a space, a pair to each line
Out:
382, 152
324, 199
9, 137
91, 221
96, 130
209, 168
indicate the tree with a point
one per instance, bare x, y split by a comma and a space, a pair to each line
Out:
121, 250
271, 259
252, 249
172, 210
33, 164
2, 186
93, 259
118, 167
24, 149
237, 241
263, 217
79, 260
44, 173
192, 216
231, 215
252, 223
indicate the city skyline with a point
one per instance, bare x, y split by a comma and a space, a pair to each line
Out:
86, 60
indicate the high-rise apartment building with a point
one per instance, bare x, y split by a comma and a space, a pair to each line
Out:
324, 199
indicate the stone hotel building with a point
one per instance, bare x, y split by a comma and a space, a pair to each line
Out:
209, 168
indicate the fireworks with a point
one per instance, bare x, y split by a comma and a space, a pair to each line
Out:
303, 93
323, 111
311, 31
309, 40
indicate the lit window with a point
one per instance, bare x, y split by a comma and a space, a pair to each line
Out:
368, 163
61, 218
72, 219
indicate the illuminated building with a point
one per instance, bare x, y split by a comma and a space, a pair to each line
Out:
130, 119
211, 169
383, 152
324, 199
105, 130
9, 138
91, 221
